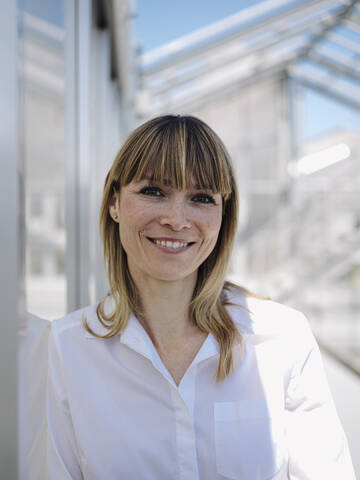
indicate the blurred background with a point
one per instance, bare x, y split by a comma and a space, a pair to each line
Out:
278, 80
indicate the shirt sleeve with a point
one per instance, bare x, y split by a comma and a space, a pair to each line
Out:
317, 445
62, 452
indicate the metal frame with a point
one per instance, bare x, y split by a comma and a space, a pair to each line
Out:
344, 12
334, 65
101, 144
344, 42
221, 87
298, 28
89, 104
77, 53
217, 34
349, 96
12, 243
263, 48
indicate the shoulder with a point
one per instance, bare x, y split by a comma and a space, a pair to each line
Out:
257, 316
72, 322
69, 333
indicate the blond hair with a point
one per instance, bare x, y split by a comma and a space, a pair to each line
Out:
175, 148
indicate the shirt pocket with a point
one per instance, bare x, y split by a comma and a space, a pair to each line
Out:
249, 439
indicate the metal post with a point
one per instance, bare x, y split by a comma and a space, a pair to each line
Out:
11, 240
77, 101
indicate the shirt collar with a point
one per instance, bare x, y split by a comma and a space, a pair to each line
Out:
208, 349
133, 334
135, 337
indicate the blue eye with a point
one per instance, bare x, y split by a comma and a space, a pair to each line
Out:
152, 191
204, 198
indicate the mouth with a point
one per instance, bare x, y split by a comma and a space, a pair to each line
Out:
171, 245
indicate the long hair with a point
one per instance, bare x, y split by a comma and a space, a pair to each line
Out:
178, 149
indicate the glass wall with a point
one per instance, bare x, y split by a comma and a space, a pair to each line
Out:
306, 253
327, 192
44, 154
76, 111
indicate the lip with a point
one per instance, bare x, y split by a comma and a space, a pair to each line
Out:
168, 249
170, 239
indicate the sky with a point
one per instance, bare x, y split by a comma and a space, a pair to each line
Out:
158, 22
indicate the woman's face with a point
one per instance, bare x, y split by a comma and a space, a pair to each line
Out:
166, 233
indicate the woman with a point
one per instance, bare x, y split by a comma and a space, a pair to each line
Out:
178, 374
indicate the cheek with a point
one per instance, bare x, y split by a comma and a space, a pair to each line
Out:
132, 213
135, 216
128, 207
211, 225
216, 220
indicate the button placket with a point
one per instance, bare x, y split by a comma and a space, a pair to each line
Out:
185, 435
186, 389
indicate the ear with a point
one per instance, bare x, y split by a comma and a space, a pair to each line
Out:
113, 208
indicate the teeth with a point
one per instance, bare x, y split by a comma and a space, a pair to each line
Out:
169, 244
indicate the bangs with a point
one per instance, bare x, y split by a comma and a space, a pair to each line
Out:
180, 154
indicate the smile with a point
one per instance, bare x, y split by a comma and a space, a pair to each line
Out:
170, 245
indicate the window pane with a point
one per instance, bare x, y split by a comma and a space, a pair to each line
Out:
44, 150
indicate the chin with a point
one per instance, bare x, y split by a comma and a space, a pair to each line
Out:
167, 276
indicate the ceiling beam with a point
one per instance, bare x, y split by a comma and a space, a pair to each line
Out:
352, 25
220, 88
342, 15
328, 89
204, 34
177, 79
338, 39
335, 66
178, 52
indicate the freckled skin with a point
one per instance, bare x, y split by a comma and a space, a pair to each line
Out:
173, 214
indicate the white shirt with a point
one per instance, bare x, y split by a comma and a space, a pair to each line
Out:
115, 413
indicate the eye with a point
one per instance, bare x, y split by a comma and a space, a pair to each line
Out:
152, 191
203, 198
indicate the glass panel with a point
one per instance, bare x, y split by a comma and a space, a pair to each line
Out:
307, 252
329, 239
44, 150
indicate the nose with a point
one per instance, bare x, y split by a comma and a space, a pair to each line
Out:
174, 215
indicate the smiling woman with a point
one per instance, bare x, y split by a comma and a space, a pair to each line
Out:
172, 180
176, 359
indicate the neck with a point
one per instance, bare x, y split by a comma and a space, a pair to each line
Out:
166, 307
